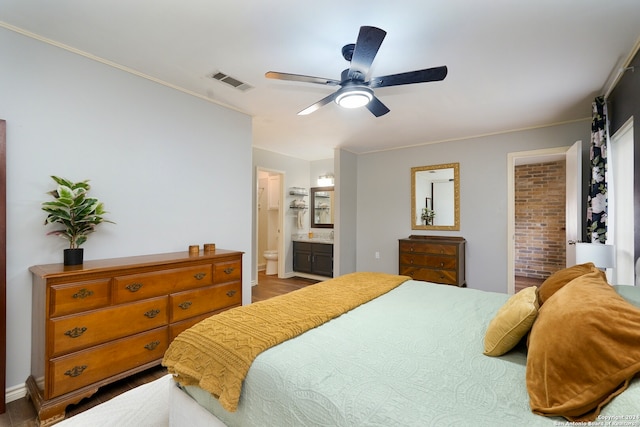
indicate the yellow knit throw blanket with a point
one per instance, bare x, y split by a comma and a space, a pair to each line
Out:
216, 353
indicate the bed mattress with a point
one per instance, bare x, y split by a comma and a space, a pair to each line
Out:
411, 357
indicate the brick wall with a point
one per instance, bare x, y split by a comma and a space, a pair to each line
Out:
539, 219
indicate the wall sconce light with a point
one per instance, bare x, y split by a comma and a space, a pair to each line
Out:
325, 180
602, 256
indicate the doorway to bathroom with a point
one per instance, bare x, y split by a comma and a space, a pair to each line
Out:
269, 221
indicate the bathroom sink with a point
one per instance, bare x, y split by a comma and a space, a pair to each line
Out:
315, 239
320, 240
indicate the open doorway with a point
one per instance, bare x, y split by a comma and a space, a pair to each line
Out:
269, 217
540, 213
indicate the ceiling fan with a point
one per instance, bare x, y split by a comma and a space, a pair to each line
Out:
355, 91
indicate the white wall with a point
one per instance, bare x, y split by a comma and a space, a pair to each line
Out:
172, 169
319, 168
384, 203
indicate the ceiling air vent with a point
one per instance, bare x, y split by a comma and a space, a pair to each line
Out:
225, 78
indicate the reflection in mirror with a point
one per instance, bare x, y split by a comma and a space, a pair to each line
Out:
322, 207
435, 197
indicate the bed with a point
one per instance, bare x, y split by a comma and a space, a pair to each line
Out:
416, 355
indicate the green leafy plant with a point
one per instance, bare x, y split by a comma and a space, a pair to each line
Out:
74, 210
427, 215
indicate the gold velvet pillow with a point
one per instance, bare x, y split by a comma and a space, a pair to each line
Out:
560, 278
512, 322
584, 349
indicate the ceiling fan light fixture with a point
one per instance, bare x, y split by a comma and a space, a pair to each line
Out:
354, 97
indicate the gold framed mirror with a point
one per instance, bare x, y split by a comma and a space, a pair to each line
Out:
435, 197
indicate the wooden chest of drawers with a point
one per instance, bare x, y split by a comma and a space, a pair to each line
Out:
438, 259
107, 319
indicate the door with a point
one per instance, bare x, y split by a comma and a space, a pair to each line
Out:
621, 210
573, 203
322, 259
302, 257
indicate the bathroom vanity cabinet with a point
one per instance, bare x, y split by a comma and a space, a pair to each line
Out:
313, 258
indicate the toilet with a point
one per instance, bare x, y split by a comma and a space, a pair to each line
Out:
272, 261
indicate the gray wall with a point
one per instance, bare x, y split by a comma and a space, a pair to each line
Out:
347, 210
384, 203
172, 169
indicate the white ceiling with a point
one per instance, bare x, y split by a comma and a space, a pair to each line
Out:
513, 64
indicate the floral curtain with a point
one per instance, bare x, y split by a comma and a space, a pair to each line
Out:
597, 198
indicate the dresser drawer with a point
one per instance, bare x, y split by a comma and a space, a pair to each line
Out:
428, 248
176, 328
78, 297
80, 331
192, 303
140, 286
86, 367
433, 261
448, 277
227, 271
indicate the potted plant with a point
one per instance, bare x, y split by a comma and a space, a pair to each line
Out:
427, 216
76, 212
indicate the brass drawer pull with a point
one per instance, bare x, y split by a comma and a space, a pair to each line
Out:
152, 345
231, 293
229, 270
134, 287
199, 276
76, 332
185, 305
77, 370
152, 313
83, 293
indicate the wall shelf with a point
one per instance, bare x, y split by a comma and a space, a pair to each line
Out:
298, 191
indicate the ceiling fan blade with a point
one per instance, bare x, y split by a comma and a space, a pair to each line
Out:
419, 76
377, 107
367, 45
324, 101
300, 78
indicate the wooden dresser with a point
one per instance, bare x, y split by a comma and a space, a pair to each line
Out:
438, 259
102, 321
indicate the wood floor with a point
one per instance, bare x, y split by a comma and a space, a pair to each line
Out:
20, 413
522, 282
271, 286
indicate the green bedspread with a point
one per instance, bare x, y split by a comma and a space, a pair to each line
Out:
411, 357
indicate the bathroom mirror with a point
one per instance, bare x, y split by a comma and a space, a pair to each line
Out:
435, 197
322, 207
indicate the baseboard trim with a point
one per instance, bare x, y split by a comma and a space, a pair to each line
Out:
15, 393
